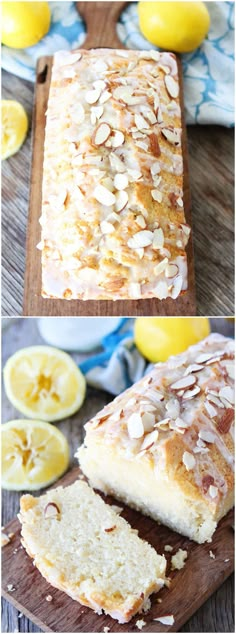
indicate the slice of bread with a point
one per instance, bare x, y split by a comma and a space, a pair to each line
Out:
81, 546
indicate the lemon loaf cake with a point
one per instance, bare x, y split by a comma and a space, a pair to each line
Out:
165, 445
113, 219
82, 546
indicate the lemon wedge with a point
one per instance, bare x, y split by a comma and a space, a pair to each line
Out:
44, 383
34, 454
14, 127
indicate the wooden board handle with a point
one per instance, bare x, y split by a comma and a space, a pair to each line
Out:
100, 19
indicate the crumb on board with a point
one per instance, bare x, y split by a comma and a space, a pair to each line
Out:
166, 620
146, 605
11, 535
49, 598
140, 624
212, 554
20, 615
226, 560
5, 539
168, 548
167, 582
178, 560
10, 587
106, 629
159, 600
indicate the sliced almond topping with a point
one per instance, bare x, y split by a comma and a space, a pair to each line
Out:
191, 393
92, 96
171, 86
215, 400
99, 84
135, 426
149, 440
107, 227
165, 620
207, 436
73, 58
104, 196
194, 367
155, 169
110, 529
185, 229
173, 408
149, 115
116, 163
51, 511
152, 55
101, 133
180, 202
158, 239
202, 358
134, 175
135, 290
125, 93
105, 96
163, 424
121, 200
181, 423
140, 221
207, 480
171, 270
142, 144
213, 491
161, 290
121, 181
117, 138
228, 393
177, 286
156, 195
188, 460
154, 145
229, 365
172, 136
140, 122
148, 420
96, 113
159, 268
224, 424
140, 239
210, 409
184, 383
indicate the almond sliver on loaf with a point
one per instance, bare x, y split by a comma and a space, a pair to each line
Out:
165, 446
81, 546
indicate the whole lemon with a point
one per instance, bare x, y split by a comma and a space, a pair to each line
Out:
174, 26
158, 338
24, 23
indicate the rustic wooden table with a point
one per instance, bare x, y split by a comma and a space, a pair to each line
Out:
216, 615
212, 176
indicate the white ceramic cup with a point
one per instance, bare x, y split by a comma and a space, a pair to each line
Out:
81, 334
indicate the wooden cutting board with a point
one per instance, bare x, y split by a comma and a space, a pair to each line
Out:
189, 587
101, 19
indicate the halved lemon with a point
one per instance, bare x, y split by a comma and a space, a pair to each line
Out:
14, 127
44, 383
34, 454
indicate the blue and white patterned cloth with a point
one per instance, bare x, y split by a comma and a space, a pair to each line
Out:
119, 365
208, 71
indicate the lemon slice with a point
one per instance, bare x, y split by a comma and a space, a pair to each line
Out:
34, 454
44, 383
14, 127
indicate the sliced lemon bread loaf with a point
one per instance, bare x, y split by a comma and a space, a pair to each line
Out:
81, 546
165, 446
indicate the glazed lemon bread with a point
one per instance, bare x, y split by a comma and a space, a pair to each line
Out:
81, 546
113, 219
165, 446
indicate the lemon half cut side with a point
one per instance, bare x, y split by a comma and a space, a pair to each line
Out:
34, 454
44, 383
14, 124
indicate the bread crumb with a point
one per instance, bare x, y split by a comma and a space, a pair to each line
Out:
178, 560
81, 477
166, 620
20, 615
168, 548
10, 587
4, 539
11, 535
212, 554
140, 624
106, 629
167, 582
159, 600
117, 509
49, 598
226, 560
146, 605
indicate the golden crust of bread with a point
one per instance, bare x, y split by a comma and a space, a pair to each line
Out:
113, 221
178, 423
